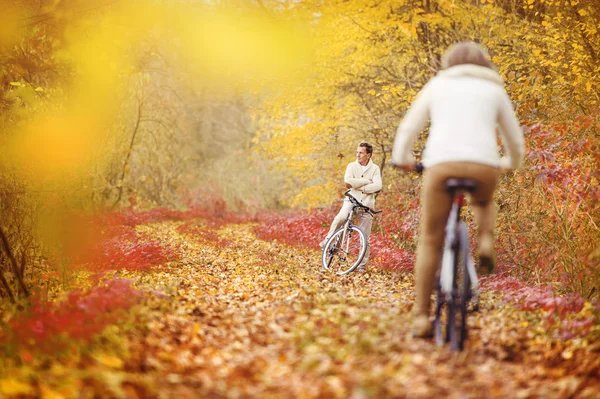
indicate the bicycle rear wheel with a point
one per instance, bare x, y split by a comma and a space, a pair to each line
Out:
344, 250
463, 286
453, 293
444, 314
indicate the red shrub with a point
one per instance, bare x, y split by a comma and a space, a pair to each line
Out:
209, 205
305, 229
109, 241
48, 327
130, 253
534, 298
400, 219
562, 313
386, 254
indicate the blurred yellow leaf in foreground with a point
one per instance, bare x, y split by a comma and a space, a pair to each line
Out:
12, 387
109, 361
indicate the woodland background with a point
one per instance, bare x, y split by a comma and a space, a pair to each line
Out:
117, 113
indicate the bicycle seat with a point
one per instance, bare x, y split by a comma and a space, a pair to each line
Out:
454, 184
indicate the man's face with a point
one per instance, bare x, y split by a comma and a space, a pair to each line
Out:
361, 155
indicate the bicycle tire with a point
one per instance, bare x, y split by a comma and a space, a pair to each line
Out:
450, 321
444, 322
457, 302
328, 253
441, 316
344, 250
463, 286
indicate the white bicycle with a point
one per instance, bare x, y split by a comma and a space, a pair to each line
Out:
346, 248
457, 286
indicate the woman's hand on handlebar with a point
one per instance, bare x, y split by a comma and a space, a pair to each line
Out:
505, 166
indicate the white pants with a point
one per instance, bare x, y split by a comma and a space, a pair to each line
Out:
365, 222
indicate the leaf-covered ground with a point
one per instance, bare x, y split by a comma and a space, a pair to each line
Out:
236, 316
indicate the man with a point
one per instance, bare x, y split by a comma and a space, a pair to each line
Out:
363, 177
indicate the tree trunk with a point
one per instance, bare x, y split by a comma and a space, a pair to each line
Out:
13, 262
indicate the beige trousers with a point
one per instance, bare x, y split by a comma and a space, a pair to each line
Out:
435, 208
364, 222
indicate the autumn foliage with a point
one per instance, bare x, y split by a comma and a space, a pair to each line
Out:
50, 328
373, 60
168, 171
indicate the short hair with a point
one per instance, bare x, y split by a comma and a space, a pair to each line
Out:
466, 53
368, 146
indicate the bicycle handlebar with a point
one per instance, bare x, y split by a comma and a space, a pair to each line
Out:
357, 204
419, 167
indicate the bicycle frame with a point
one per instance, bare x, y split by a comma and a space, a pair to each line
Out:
347, 230
347, 225
454, 228
456, 290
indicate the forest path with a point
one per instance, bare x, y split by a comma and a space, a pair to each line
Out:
248, 318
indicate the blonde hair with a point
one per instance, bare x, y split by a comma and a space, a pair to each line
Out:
466, 53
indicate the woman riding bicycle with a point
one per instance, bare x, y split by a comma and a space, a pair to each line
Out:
465, 102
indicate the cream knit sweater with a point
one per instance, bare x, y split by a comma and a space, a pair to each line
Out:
465, 104
365, 183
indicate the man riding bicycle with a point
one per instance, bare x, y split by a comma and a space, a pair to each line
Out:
363, 177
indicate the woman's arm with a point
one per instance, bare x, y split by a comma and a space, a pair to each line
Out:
511, 134
412, 124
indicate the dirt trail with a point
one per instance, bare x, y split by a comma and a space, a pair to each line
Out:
248, 318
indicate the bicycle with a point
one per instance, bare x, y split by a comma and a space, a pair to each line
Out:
346, 248
457, 284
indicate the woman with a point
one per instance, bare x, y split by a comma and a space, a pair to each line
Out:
465, 102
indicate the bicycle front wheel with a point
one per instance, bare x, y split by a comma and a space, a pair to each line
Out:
344, 250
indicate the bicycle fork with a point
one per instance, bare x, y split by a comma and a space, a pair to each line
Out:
346, 238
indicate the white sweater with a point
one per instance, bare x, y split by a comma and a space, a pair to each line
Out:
465, 103
365, 182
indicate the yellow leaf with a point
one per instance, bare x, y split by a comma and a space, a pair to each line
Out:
12, 387
507, 21
48, 393
109, 361
372, 92
582, 12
